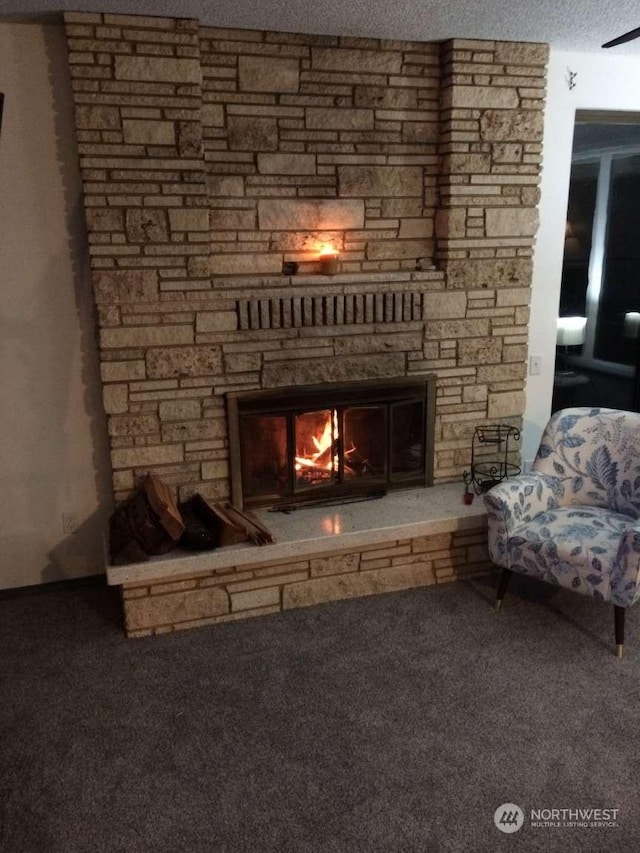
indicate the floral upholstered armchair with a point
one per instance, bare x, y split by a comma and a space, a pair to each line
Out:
574, 520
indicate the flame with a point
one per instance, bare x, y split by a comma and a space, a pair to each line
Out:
324, 459
327, 250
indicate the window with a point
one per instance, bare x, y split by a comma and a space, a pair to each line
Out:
601, 267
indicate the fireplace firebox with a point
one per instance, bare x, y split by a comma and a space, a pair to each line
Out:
318, 442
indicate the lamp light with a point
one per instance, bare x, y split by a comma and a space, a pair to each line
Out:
631, 324
571, 332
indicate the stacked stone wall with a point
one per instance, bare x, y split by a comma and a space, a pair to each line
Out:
240, 592
210, 157
317, 139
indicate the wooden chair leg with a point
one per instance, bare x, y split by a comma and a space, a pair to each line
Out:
618, 615
502, 587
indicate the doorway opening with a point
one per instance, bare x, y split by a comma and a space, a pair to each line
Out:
599, 348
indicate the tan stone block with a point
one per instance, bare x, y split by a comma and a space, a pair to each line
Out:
146, 336
287, 164
383, 249
146, 225
418, 132
122, 371
503, 272
175, 607
104, 219
359, 61
246, 264
232, 219
521, 53
474, 394
97, 117
205, 429
268, 74
305, 372
179, 410
125, 286
422, 228
252, 133
403, 342
133, 425
216, 321
385, 97
479, 351
123, 481
189, 138
507, 152
310, 215
467, 164
511, 125
511, 221
242, 362
444, 305
506, 405
336, 587
141, 132
217, 470
198, 265
164, 69
321, 118
173, 586
115, 399
212, 115
335, 565
483, 97
255, 598
165, 362
392, 208
142, 457
501, 372
513, 296
188, 219
456, 329
221, 186
368, 181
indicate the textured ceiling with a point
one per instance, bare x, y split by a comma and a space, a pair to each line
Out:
569, 24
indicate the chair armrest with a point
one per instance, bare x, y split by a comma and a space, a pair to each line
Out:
625, 577
515, 502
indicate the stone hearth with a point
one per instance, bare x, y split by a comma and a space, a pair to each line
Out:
406, 539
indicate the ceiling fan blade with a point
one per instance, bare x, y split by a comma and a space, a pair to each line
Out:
630, 36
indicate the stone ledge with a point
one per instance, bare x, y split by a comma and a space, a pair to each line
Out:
322, 531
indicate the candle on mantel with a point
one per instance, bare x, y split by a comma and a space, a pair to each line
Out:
328, 260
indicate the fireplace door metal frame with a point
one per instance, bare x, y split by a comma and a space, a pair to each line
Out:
387, 393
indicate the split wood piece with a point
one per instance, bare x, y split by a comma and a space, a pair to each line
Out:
254, 528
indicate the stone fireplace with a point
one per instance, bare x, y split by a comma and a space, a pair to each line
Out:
315, 443
214, 159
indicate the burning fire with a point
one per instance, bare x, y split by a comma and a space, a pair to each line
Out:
325, 457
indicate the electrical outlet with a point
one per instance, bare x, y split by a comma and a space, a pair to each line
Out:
69, 522
535, 365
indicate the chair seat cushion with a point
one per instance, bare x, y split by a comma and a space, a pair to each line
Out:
574, 547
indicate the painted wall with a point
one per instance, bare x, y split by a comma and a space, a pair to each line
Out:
604, 82
53, 452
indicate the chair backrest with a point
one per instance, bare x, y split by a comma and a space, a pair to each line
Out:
596, 453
